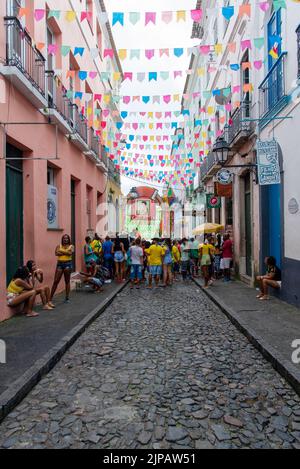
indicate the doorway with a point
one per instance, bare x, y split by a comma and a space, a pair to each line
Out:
14, 211
248, 225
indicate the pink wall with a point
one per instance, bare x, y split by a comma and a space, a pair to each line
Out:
36, 141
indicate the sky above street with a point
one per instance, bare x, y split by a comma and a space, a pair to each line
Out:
157, 36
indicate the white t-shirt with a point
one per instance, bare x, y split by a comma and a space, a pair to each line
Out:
136, 253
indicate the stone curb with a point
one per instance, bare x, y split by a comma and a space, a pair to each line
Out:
22, 386
282, 366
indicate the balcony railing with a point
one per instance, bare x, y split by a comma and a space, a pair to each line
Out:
240, 128
79, 123
21, 53
94, 142
208, 164
273, 89
57, 98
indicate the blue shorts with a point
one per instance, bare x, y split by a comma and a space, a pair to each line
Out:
64, 265
136, 272
155, 270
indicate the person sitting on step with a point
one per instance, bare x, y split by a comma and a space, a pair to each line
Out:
271, 279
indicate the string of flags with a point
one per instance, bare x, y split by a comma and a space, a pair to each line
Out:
149, 18
124, 54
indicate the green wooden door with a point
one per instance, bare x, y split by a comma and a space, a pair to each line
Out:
14, 212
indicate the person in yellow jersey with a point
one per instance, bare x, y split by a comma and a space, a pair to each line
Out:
64, 253
155, 254
176, 256
206, 253
20, 291
96, 246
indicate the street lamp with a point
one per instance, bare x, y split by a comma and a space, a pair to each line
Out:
221, 150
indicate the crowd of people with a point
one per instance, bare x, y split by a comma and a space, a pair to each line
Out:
158, 263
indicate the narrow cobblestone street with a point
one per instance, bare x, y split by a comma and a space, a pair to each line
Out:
159, 369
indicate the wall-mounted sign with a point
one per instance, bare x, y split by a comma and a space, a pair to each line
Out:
52, 209
293, 206
268, 163
223, 190
213, 201
224, 176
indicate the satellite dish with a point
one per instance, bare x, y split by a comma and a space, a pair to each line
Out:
221, 99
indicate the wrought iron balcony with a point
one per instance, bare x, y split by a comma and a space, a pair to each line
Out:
273, 97
209, 167
79, 123
238, 132
94, 142
21, 53
58, 100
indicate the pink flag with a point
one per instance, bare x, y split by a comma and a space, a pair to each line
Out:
39, 14
204, 50
150, 17
264, 6
126, 99
177, 74
167, 16
97, 97
228, 107
246, 44
93, 75
236, 89
105, 112
52, 49
135, 126
196, 15
149, 53
159, 125
108, 53
128, 76
258, 64
167, 99
168, 114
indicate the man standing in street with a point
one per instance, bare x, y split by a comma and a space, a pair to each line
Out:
137, 261
226, 257
155, 256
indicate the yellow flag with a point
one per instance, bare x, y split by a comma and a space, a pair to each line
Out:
71, 16
106, 98
150, 115
117, 76
176, 98
151, 126
210, 110
181, 15
122, 54
152, 138
201, 72
218, 49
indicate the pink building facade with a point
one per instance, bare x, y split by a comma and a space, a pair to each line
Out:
52, 173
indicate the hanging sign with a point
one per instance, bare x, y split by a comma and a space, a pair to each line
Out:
223, 190
224, 176
268, 163
213, 201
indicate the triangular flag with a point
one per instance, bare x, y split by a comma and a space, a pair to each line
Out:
70, 16
39, 14
134, 17
150, 17
118, 18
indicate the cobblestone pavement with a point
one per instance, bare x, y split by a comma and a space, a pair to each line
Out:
159, 369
